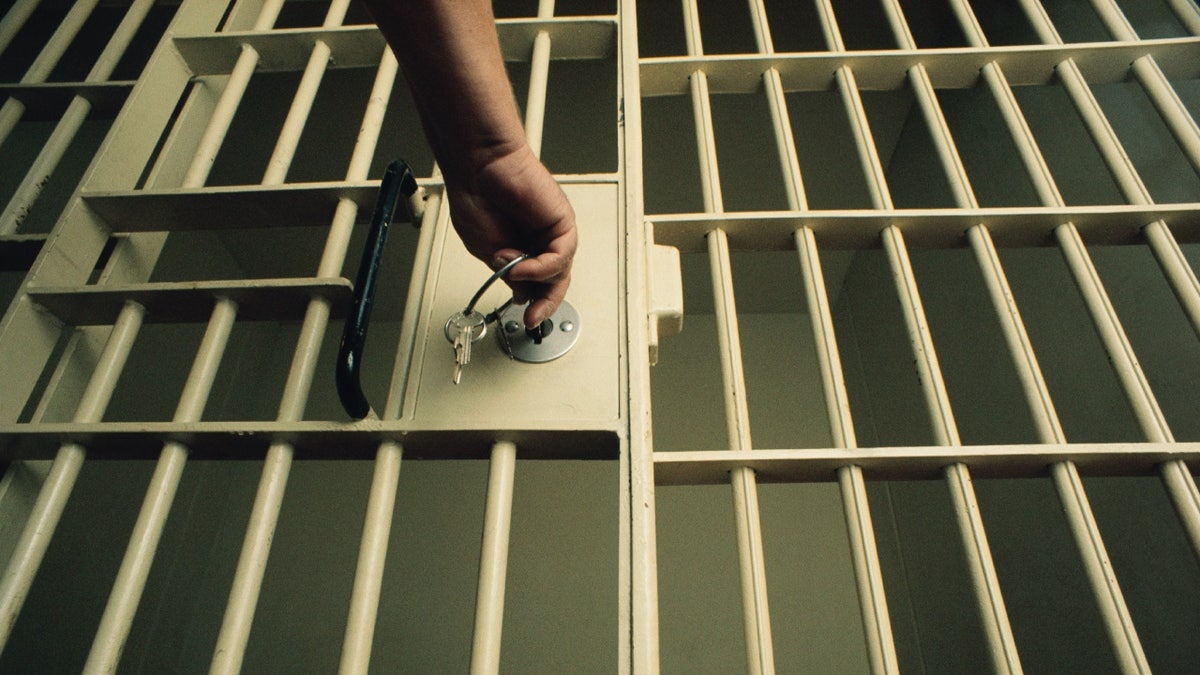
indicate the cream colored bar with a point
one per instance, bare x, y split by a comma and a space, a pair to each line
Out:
243, 596
539, 76
982, 571
493, 563
706, 144
52, 499
785, 143
372, 554
1176, 477
985, 582
1076, 507
1188, 13
1154, 82
1137, 389
756, 619
77, 111
227, 104
302, 101
756, 616
381, 501
47, 59
877, 626
139, 556
638, 537
14, 19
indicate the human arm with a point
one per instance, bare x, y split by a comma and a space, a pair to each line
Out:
503, 200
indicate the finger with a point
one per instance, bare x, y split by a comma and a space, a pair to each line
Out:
546, 303
544, 268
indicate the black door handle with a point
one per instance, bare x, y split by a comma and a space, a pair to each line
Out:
397, 179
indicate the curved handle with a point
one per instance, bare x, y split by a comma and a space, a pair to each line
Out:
396, 180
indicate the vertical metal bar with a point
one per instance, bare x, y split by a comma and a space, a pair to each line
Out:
1165, 99
877, 627
14, 19
77, 111
372, 554
214, 134
302, 101
785, 142
539, 75
1187, 13
377, 522
1178, 271
227, 104
52, 499
756, 616
937, 399
247, 582
706, 145
493, 563
637, 506
47, 59
1133, 381
868, 572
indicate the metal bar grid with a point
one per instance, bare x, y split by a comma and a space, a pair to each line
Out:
1065, 474
746, 466
203, 148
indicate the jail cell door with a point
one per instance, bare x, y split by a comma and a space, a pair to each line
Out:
932, 406
185, 488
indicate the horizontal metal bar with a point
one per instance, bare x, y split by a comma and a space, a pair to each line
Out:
929, 228
920, 462
1101, 63
47, 100
313, 440
360, 46
250, 206
280, 50
192, 301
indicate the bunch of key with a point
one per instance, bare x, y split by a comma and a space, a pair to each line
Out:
463, 329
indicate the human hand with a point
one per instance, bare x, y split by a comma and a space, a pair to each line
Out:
512, 205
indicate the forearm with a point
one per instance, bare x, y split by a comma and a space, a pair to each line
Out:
451, 57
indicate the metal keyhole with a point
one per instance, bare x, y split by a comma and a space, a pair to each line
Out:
539, 332
549, 340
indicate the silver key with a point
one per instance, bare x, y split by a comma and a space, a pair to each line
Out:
462, 330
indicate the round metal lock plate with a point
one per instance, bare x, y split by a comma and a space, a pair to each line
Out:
560, 335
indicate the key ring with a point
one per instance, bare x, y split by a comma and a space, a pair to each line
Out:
491, 280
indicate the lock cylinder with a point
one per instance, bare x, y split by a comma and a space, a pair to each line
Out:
551, 339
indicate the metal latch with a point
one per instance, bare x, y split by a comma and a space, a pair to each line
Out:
664, 292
